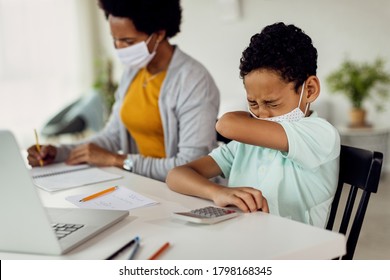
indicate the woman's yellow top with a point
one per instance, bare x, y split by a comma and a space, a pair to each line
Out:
141, 115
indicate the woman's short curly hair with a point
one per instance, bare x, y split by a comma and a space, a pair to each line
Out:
148, 16
285, 49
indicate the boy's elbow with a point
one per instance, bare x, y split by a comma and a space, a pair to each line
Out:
223, 127
219, 126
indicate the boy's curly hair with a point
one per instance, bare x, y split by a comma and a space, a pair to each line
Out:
285, 49
148, 16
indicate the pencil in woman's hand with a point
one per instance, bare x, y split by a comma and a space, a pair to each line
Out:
38, 146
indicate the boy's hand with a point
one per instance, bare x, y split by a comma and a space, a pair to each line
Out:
246, 198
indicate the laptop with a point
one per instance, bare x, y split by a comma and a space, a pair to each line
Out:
27, 226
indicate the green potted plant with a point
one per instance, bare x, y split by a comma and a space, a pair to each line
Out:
360, 82
104, 83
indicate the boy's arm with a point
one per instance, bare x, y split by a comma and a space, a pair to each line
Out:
192, 179
241, 127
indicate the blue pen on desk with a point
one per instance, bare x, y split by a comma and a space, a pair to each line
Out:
136, 246
131, 242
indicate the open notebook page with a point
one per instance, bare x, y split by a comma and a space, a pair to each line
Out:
61, 176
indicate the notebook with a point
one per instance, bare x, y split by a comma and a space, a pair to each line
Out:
26, 226
60, 176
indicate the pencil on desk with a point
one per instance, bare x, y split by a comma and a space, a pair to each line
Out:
38, 146
135, 249
127, 245
159, 251
92, 196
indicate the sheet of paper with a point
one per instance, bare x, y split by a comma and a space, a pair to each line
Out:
120, 199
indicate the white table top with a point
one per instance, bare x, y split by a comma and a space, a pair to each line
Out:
249, 236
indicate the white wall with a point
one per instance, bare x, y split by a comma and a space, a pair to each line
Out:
46, 61
338, 28
353, 28
357, 29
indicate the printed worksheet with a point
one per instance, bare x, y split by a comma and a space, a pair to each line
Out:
121, 199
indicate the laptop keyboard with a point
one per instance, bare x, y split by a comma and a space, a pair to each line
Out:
63, 230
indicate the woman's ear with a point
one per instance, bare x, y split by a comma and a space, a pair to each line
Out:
161, 35
312, 88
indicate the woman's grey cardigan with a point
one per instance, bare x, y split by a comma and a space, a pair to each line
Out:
188, 103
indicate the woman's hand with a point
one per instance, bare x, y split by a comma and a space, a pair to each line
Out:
246, 198
47, 155
93, 154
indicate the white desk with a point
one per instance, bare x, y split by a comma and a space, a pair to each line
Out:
249, 236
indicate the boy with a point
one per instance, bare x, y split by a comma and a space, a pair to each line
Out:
283, 159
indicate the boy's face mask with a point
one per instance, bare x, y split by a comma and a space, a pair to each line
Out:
293, 116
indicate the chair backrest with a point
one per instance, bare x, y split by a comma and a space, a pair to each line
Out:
359, 169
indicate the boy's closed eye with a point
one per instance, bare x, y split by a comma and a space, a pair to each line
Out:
271, 105
253, 104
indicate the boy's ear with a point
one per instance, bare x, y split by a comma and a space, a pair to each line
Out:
313, 88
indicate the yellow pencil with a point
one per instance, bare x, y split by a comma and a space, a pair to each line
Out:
92, 196
38, 146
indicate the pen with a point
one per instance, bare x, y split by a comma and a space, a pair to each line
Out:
135, 249
38, 146
92, 196
131, 242
159, 251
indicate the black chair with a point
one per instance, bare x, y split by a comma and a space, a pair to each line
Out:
360, 170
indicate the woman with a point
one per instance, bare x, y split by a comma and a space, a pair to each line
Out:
166, 103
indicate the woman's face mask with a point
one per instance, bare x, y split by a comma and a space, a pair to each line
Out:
137, 56
293, 116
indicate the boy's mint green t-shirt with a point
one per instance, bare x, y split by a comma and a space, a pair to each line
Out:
299, 184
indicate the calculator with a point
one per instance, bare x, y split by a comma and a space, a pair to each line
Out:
206, 215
